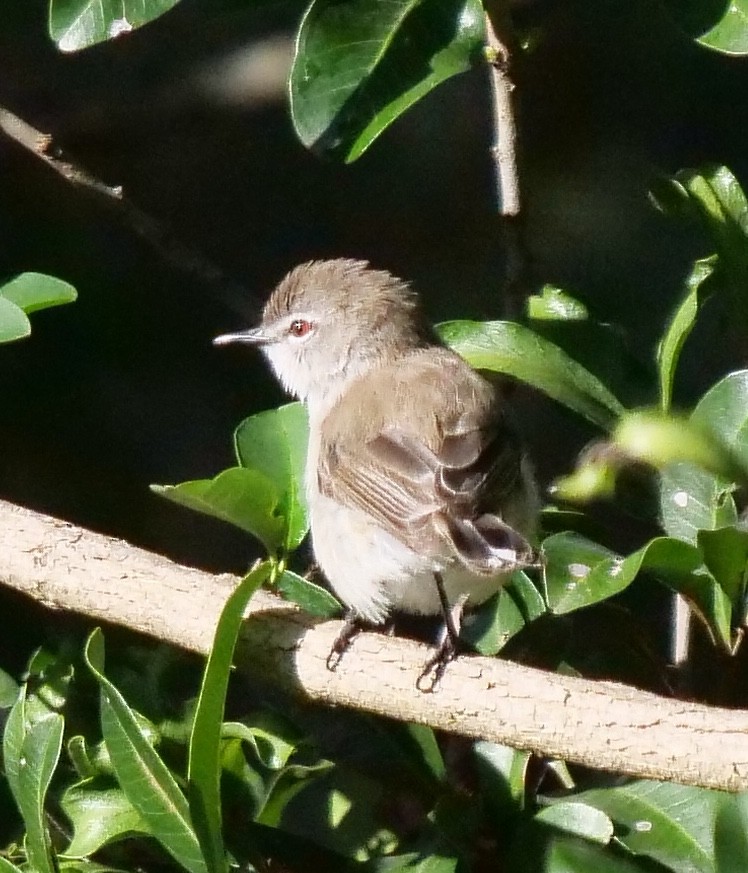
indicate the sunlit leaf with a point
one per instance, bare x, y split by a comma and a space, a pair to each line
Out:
99, 816
34, 291
721, 25
308, 595
510, 348
672, 824
77, 24
490, 627
274, 443
680, 326
360, 64
204, 774
244, 498
141, 773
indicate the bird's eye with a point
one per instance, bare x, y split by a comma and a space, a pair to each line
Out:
299, 327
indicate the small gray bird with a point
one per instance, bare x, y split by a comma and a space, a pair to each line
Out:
420, 495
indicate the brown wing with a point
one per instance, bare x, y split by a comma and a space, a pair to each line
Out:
431, 457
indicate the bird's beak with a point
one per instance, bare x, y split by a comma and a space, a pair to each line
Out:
254, 336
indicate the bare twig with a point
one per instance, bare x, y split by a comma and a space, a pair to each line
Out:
112, 197
600, 724
504, 149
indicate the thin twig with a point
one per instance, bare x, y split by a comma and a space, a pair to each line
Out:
112, 197
504, 148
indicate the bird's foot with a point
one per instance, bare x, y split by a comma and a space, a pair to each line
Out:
352, 626
449, 646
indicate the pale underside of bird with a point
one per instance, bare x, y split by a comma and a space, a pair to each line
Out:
421, 498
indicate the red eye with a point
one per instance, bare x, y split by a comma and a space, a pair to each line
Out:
299, 327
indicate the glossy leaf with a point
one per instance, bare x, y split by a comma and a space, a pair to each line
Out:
30, 756
724, 410
358, 65
502, 772
721, 25
14, 323
78, 24
40, 753
672, 824
204, 772
490, 627
99, 816
692, 499
9, 690
34, 291
554, 304
513, 349
680, 326
141, 773
244, 498
274, 443
308, 595
579, 573
725, 553
578, 819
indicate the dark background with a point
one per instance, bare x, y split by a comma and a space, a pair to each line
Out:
122, 388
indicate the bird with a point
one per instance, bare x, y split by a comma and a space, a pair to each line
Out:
421, 497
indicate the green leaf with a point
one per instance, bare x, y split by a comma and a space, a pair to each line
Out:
204, 772
714, 196
725, 553
310, 597
554, 304
360, 64
99, 816
30, 755
39, 756
578, 573
724, 410
731, 834
141, 773
8, 690
33, 291
245, 498
502, 772
490, 627
271, 737
429, 754
510, 348
78, 24
716, 24
659, 440
14, 323
274, 443
672, 824
578, 819
681, 324
7, 867
691, 499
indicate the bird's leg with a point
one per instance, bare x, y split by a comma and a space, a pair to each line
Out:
352, 626
448, 648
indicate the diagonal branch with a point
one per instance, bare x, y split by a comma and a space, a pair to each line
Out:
599, 724
170, 249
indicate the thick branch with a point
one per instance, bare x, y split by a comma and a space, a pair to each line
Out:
600, 724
